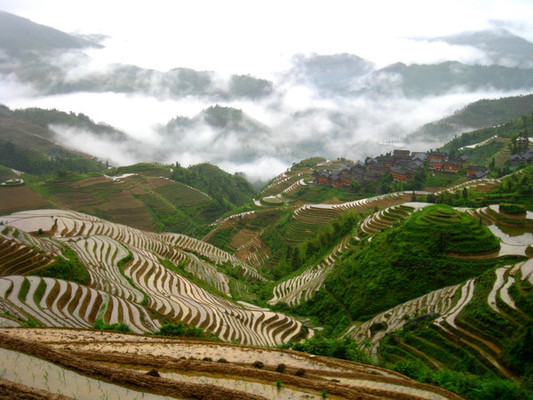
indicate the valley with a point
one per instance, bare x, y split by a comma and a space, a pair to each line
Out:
328, 225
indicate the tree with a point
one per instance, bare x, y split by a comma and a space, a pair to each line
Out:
355, 186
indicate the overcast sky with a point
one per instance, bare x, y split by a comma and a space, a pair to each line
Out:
259, 37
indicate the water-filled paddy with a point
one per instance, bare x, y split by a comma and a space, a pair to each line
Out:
36, 373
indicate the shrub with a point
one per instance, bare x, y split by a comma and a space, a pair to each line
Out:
119, 327
69, 269
300, 372
280, 368
258, 364
180, 329
512, 208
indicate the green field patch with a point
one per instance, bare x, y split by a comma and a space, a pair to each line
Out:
68, 268
181, 195
322, 194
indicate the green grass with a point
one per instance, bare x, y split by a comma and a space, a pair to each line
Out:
118, 327
68, 268
443, 179
222, 238
181, 195
321, 194
409, 260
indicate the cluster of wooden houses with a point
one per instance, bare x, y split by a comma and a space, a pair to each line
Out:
524, 158
402, 164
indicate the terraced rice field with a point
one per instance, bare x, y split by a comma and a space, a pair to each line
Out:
114, 293
284, 183
214, 254
18, 198
309, 217
449, 309
303, 287
115, 365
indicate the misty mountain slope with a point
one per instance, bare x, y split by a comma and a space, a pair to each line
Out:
222, 133
18, 33
32, 148
481, 114
500, 46
334, 73
29, 58
420, 80
47, 118
330, 105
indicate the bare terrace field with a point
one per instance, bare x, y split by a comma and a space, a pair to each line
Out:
17, 198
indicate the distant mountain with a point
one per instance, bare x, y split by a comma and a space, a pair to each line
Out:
333, 73
48, 118
420, 80
18, 34
225, 129
500, 46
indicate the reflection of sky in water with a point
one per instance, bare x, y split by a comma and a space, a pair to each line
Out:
36, 373
512, 244
512, 237
261, 389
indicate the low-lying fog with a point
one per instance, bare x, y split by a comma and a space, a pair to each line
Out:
294, 71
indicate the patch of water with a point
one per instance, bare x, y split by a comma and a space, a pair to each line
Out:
512, 244
260, 389
39, 374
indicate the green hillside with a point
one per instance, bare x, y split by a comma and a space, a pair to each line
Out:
409, 260
481, 114
229, 191
26, 144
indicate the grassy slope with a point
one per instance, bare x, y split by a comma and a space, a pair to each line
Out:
481, 114
407, 261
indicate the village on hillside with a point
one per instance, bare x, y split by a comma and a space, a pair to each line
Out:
402, 165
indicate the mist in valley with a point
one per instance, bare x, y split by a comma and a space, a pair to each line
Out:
230, 92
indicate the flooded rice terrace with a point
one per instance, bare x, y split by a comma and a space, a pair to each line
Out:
262, 389
39, 374
513, 241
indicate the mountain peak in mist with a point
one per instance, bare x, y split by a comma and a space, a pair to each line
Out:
231, 118
501, 46
17, 33
333, 72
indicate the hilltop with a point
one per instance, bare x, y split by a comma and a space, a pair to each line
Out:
18, 34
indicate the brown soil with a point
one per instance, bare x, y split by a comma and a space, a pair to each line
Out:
19, 198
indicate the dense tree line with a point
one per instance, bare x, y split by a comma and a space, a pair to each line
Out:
16, 157
227, 190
